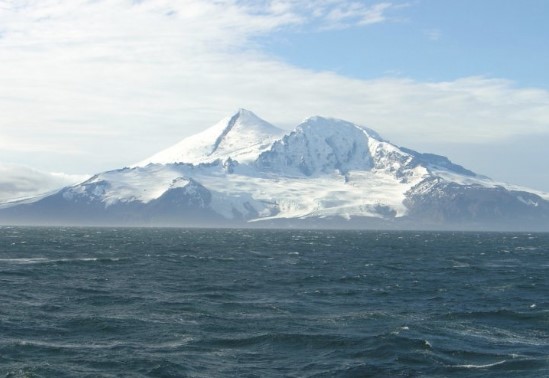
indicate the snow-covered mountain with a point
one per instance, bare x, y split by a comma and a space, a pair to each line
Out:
244, 171
242, 136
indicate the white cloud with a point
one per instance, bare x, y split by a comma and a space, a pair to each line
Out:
97, 84
17, 181
433, 34
358, 13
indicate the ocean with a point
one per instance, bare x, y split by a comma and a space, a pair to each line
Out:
105, 302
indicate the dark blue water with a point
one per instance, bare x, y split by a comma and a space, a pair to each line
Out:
243, 303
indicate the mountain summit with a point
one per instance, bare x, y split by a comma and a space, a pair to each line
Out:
245, 172
241, 136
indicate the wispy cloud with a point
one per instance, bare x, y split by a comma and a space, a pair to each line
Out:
19, 181
433, 34
357, 13
329, 14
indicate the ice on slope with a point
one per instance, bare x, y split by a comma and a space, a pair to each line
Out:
145, 184
142, 184
361, 193
258, 195
242, 136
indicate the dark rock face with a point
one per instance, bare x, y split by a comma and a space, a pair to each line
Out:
443, 202
437, 161
186, 206
309, 151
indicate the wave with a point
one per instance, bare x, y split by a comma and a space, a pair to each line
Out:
499, 315
172, 344
43, 260
485, 366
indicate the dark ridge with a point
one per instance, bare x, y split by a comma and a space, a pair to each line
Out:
226, 131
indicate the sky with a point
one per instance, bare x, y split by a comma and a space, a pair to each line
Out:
92, 85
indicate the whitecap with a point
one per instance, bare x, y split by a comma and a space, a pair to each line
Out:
459, 264
43, 260
35, 260
106, 345
471, 366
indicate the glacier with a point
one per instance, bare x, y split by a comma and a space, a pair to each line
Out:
246, 172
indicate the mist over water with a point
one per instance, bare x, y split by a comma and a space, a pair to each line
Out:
258, 303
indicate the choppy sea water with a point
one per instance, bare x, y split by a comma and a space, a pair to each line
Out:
77, 302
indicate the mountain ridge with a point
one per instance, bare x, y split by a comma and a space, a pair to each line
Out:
326, 172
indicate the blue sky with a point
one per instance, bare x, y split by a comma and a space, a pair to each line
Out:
430, 40
87, 86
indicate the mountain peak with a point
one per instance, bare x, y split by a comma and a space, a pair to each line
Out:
241, 120
335, 124
241, 136
245, 112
